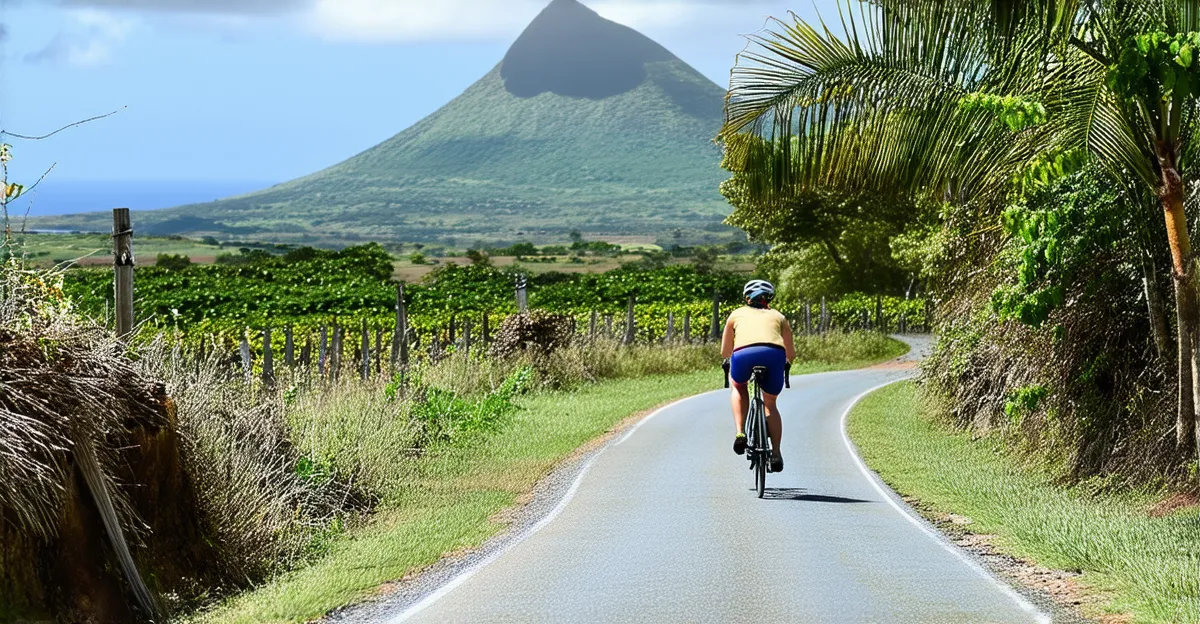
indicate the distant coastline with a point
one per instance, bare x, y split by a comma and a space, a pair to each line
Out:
60, 197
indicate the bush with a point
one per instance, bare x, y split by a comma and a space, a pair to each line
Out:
171, 262
536, 333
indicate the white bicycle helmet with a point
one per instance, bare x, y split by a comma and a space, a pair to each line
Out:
759, 291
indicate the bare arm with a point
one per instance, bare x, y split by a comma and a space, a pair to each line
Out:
727, 341
789, 344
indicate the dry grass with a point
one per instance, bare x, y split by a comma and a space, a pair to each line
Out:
62, 384
238, 448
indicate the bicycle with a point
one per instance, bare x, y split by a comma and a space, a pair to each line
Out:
758, 438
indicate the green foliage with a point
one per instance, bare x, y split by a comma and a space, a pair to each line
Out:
447, 416
477, 258
357, 283
245, 255
831, 243
1054, 235
172, 262
1016, 112
1047, 168
417, 257
1024, 400
1157, 66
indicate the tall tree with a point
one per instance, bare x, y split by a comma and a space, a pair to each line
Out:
956, 99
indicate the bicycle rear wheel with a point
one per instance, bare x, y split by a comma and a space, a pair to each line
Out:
760, 446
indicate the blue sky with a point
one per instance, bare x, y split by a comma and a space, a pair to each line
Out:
269, 90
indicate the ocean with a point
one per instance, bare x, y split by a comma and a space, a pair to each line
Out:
59, 197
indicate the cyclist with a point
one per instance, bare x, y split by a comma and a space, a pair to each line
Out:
756, 335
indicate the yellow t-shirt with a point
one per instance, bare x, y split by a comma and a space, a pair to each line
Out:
753, 326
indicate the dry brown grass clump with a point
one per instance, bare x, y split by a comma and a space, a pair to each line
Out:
61, 384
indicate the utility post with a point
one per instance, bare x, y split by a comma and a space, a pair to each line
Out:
123, 271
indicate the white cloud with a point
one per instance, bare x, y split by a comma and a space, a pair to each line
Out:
87, 39
425, 20
419, 20
194, 6
96, 27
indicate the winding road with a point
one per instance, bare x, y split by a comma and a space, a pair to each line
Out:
661, 526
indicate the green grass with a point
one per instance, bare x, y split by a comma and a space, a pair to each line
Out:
815, 354
46, 249
1148, 567
447, 500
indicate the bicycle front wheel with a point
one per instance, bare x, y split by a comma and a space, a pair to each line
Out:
761, 447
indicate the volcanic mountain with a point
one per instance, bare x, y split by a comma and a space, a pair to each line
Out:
586, 124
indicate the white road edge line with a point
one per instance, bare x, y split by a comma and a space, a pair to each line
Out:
1039, 616
462, 577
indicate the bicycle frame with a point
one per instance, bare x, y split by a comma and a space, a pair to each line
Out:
758, 437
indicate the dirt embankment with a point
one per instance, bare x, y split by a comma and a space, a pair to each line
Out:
90, 444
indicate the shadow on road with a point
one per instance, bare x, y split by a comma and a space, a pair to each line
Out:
801, 494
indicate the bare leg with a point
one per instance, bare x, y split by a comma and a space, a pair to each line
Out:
740, 397
774, 422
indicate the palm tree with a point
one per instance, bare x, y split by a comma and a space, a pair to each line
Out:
905, 99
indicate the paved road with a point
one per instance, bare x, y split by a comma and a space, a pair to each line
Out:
663, 527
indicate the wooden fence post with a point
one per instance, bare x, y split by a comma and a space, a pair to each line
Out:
247, 369
467, 339
379, 350
608, 326
824, 316
323, 352
336, 356
879, 322
687, 327
306, 354
630, 323
522, 294
592, 326
714, 330
487, 329
453, 331
807, 317
670, 337
289, 347
366, 351
123, 271
400, 335
268, 374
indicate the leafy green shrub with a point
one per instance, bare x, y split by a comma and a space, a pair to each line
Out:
172, 262
1024, 400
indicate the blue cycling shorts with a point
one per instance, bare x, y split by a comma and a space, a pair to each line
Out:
771, 357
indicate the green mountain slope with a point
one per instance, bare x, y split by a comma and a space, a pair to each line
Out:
586, 124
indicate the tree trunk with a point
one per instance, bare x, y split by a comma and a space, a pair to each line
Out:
1155, 311
1186, 412
1183, 266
